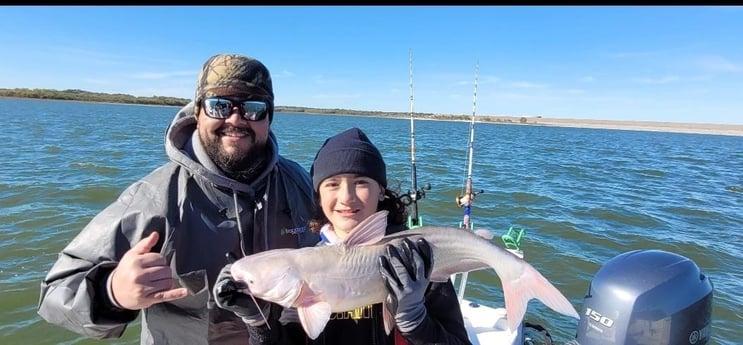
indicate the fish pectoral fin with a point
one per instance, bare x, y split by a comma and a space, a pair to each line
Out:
389, 319
314, 317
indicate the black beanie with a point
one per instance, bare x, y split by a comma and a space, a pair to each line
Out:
349, 152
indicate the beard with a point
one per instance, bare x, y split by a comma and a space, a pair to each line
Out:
243, 164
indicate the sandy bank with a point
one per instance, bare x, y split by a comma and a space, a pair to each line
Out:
677, 127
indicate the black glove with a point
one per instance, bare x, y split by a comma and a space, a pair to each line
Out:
406, 273
228, 296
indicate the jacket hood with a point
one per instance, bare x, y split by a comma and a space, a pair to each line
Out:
177, 137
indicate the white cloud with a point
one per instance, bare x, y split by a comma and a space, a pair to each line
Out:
661, 80
163, 75
334, 96
526, 85
167, 91
624, 55
715, 63
97, 81
488, 80
98, 57
283, 74
322, 80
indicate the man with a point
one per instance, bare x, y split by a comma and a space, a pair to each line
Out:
157, 250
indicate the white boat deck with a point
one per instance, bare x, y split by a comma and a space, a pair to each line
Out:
484, 324
487, 325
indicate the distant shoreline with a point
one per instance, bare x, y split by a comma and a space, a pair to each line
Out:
652, 126
98, 102
673, 127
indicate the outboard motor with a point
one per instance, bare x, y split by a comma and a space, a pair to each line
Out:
647, 297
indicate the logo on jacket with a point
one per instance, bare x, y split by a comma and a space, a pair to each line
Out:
293, 231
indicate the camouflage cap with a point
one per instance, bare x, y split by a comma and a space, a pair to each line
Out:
235, 75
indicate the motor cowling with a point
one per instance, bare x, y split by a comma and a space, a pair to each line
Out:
647, 297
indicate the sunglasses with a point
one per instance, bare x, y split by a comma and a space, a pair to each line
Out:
221, 108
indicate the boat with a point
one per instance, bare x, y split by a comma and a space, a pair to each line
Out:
670, 304
484, 324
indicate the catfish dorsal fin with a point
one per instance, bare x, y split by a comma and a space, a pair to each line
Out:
369, 231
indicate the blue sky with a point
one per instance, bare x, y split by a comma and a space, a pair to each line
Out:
679, 64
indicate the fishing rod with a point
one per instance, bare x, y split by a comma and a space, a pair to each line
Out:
465, 200
414, 194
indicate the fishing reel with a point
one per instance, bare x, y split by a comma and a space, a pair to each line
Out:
466, 199
415, 195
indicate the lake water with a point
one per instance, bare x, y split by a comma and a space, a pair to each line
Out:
584, 196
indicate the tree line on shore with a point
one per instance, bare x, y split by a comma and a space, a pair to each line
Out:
87, 96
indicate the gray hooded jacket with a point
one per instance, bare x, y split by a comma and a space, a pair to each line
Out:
201, 215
